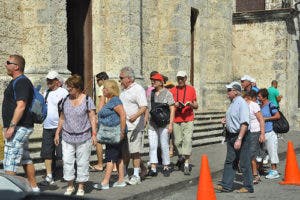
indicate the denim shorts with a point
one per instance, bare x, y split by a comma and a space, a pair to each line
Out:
254, 144
16, 150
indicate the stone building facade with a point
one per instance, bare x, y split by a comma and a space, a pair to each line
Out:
209, 39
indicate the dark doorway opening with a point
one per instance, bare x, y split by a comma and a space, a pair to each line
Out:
193, 19
79, 43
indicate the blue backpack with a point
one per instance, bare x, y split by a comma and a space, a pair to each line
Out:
38, 107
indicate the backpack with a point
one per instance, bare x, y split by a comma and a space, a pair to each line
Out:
281, 125
160, 112
38, 107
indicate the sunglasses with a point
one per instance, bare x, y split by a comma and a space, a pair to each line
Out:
121, 78
229, 90
9, 63
180, 78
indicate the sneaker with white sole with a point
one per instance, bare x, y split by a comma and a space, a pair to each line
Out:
80, 192
49, 180
135, 180
69, 191
119, 184
126, 178
99, 186
266, 160
273, 174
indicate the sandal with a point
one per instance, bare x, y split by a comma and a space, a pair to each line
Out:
95, 168
256, 179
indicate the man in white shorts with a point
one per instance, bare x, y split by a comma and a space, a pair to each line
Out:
134, 101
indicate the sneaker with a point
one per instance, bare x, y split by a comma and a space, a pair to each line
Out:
49, 180
126, 178
152, 173
69, 191
99, 186
266, 160
135, 180
166, 172
119, 184
180, 163
258, 159
272, 174
36, 189
80, 192
187, 170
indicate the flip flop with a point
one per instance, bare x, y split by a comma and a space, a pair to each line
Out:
95, 169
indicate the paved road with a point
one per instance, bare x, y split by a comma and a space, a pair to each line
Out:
267, 189
160, 187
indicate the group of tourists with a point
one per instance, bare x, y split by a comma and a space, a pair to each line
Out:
249, 133
74, 124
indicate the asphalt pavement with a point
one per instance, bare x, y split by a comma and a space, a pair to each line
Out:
161, 187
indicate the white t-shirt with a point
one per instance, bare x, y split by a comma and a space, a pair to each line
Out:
133, 98
53, 98
254, 123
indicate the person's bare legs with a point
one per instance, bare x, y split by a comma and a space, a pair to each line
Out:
48, 165
120, 167
99, 151
108, 171
30, 172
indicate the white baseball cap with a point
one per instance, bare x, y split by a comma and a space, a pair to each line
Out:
234, 85
246, 78
181, 74
52, 75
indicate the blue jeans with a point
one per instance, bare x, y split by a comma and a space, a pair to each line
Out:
235, 157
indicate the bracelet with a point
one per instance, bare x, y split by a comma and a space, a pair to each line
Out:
12, 124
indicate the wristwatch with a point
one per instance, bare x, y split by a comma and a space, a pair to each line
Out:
239, 138
12, 124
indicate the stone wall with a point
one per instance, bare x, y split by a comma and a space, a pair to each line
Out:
36, 30
266, 51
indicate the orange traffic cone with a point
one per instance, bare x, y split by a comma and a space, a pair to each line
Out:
292, 174
205, 185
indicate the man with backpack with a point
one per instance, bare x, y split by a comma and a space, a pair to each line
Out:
17, 120
49, 152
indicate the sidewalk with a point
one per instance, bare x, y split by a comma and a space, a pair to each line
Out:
160, 186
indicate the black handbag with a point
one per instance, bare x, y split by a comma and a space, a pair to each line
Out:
281, 125
160, 112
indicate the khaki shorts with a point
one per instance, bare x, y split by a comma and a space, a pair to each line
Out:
135, 143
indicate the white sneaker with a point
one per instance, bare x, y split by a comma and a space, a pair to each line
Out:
69, 191
135, 180
266, 160
272, 174
118, 184
36, 189
258, 159
126, 179
49, 180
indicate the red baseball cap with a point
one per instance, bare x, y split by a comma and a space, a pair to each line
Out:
157, 77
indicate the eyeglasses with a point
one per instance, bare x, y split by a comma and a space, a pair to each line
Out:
229, 90
9, 63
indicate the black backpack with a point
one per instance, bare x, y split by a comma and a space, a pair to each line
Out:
160, 112
281, 125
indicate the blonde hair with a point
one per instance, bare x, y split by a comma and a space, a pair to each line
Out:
112, 87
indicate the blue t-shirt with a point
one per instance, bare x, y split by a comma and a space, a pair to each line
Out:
269, 110
107, 115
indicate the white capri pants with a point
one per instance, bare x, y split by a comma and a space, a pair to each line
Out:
82, 152
162, 135
272, 146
